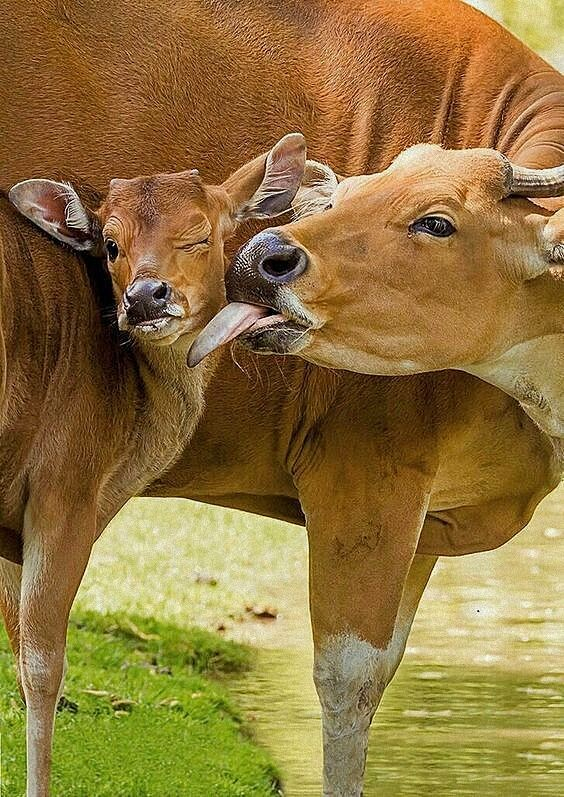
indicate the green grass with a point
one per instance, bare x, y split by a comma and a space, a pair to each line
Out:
154, 718
149, 560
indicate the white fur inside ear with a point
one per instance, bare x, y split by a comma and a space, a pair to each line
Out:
553, 238
75, 215
56, 208
314, 195
556, 253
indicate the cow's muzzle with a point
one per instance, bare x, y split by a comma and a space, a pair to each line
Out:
146, 300
149, 309
263, 313
264, 263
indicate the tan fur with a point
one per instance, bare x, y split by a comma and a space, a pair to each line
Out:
98, 89
385, 298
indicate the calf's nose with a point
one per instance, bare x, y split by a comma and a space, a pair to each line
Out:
146, 299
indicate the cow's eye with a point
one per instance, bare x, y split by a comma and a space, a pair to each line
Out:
112, 249
437, 226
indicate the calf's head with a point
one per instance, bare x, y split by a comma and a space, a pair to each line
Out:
417, 268
163, 235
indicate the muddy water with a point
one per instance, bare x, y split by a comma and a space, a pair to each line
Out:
477, 706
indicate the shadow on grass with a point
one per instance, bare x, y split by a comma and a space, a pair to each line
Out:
150, 716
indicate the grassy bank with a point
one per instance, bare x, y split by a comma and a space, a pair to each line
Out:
148, 715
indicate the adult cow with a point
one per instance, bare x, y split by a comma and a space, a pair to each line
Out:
445, 266
92, 89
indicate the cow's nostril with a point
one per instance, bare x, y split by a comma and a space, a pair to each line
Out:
288, 263
162, 292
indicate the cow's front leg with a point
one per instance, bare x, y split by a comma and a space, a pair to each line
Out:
362, 545
350, 675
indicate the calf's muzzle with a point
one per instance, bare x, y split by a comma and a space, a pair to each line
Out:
146, 299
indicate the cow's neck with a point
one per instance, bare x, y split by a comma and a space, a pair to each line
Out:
532, 370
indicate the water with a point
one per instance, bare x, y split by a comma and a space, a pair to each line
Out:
477, 707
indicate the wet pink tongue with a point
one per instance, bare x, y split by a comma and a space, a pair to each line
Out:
230, 322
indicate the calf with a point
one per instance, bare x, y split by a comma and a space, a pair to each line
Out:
440, 261
86, 424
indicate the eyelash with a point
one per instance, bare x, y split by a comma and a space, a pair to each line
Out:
436, 226
203, 242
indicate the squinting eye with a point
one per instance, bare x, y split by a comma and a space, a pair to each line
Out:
437, 226
189, 247
112, 249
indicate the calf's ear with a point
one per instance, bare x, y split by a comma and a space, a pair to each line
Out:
317, 187
57, 209
266, 186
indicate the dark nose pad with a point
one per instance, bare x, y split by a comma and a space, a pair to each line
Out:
280, 261
146, 299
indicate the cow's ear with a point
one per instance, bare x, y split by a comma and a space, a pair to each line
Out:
266, 186
57, 209
318, 186
553, 240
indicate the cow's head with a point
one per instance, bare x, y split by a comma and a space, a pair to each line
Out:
163, 235
413, 269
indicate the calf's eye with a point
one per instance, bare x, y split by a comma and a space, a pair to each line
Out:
112, 249
437, 226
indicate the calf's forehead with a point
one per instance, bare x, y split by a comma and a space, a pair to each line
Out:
150, 201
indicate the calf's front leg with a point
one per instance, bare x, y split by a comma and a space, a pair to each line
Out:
58, 539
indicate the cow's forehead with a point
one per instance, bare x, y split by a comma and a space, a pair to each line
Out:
427, 171
425, 160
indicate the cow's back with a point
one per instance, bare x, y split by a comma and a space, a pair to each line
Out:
97, 88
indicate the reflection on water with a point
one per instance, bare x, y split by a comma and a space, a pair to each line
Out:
477, 707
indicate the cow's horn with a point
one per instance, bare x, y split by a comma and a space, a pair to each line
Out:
520, 181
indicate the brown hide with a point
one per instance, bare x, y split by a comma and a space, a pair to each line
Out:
95, 89
105, 88
210, 84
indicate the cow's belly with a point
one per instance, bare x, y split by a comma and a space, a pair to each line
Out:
491, 477
504, 457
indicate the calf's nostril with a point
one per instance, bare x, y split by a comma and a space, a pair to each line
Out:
162, 292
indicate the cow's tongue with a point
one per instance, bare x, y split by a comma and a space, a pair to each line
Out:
230, 322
